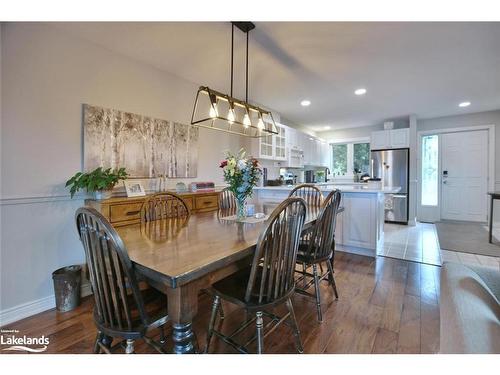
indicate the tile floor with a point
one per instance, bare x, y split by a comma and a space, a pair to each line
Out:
415, 243
420, 244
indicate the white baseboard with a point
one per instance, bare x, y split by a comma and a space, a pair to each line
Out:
28, 309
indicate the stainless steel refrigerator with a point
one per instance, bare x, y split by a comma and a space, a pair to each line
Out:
392, 167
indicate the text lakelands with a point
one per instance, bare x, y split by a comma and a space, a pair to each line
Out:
24, 340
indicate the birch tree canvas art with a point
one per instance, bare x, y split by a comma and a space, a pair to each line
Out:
145, 146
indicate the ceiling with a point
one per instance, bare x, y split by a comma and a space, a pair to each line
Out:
422, 68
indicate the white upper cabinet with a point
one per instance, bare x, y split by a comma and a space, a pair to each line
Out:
400, 138
307, 150
386, 139
280, 143
325, 154
380, 140
271, 146
291, 138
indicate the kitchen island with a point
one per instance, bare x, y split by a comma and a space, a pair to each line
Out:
360, 227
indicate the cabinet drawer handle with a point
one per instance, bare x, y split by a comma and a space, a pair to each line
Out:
131, 213
207, 203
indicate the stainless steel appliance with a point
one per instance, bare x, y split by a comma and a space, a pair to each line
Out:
392, 167
309, 176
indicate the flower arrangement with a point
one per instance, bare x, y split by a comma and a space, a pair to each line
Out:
242, 174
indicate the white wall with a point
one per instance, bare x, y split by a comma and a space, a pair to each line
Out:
46, 76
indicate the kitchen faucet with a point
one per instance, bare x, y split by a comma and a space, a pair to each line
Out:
327, 172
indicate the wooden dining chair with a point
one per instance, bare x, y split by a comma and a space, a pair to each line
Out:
164, 206
310, 193
313, 197
120, 306
319, 249
227, 201
268, 282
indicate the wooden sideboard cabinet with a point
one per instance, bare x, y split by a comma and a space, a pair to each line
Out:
123, 210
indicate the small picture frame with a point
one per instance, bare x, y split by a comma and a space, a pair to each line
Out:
134, 188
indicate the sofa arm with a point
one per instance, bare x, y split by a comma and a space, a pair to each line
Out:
469, 312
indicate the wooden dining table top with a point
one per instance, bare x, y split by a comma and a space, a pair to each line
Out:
181, 250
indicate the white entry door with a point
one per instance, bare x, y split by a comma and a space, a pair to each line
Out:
464, 175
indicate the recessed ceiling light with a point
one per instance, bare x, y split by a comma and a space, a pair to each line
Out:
305, 103
360, 92
464, 104
327, 127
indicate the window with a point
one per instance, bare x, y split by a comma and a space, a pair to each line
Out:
350, 156
339, 160
430, 186
361, 157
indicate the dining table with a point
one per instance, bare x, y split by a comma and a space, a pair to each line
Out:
183, 256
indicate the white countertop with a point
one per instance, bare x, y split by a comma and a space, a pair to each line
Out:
343, 188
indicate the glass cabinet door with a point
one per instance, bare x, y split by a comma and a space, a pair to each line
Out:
280, 144
266, 146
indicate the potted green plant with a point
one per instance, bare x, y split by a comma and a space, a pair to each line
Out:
100, 182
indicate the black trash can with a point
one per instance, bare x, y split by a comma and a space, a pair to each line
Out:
67, 283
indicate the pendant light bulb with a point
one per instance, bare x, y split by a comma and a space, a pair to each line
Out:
213, 111
246, 120
260, 123
230, 116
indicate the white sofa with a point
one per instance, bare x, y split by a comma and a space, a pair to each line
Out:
469, 309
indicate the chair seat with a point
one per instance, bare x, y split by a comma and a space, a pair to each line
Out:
233, 289
303, 256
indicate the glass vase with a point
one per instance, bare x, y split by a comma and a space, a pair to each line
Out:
240, 208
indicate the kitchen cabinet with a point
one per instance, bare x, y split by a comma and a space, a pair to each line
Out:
325, 154
291, 138
124, 210
400, 138
387, 139
359, 228
316, 153
309, 150
361, 223
271, 146
280, 144
288, 144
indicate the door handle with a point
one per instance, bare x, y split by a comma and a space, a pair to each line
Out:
445, 182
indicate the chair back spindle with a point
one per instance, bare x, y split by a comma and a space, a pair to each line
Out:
164, 206
227, 201
310, 193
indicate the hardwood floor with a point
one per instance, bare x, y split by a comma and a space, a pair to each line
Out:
385, 305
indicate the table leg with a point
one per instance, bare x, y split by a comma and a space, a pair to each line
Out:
491, 220
182, 308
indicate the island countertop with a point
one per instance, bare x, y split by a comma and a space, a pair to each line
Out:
343, 188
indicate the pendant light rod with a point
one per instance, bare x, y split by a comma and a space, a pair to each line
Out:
244, 27
232, 56
246, 85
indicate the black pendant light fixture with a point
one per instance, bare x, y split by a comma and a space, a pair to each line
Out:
218, 111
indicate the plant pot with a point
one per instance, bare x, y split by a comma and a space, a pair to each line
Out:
103, 194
